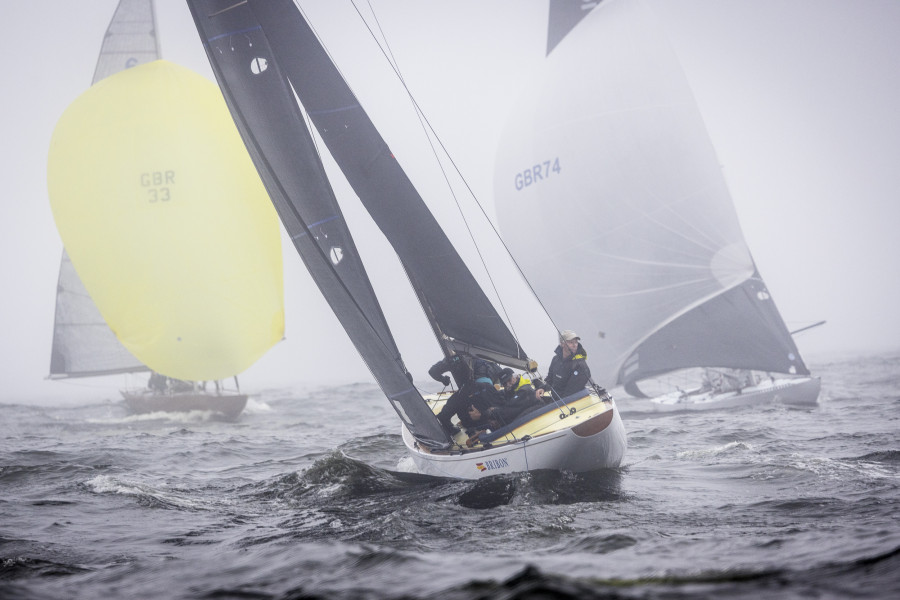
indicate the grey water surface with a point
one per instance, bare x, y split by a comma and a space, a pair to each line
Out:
299, 499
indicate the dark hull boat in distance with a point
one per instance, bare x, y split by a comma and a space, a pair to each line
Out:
228, 405
266, 57
610, 147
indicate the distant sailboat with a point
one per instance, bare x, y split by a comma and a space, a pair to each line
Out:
173, 257
266, 58
644, 255
83, 344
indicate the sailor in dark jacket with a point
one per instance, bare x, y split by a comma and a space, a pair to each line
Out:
519, 397
568, 372
455, 364
472, 375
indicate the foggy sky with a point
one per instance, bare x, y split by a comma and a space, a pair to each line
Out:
800, 99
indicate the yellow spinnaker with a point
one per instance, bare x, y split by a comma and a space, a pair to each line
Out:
167, 222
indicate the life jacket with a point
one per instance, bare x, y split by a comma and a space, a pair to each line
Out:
523, 381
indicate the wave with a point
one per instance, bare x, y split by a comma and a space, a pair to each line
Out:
255, 406
837, 469
876, 576
20, 567
885, 456
187, 416
45, 472
147, 495
727, 449
337, 476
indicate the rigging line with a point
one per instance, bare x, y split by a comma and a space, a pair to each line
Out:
465, 182
807, 327
426, 127
227, 8
558, 401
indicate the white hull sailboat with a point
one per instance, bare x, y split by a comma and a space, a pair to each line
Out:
590, 438
797, 392
275, 75
608, 146
172, 259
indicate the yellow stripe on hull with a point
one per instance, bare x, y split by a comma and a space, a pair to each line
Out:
552, 421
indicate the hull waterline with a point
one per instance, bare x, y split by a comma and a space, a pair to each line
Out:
799, 392
589, 442
143, 402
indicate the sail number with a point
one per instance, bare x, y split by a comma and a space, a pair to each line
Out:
538, 172
157, 184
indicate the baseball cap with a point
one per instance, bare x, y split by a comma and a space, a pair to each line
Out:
568, 334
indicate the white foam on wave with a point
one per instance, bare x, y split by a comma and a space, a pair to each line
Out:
190, 416
256, 406
107, 484
406, 464
725, 449
839, 469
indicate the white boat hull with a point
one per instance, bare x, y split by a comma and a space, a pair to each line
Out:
801, 391
589, 443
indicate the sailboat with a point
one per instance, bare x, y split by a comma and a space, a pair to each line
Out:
608, 150
266, 57
149, 280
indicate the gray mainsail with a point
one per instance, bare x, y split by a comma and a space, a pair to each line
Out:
259, 52
83, 345
610, 149
453, 300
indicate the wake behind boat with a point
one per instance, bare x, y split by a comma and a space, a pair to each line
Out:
266, 57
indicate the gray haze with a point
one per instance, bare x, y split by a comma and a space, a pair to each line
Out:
800, 98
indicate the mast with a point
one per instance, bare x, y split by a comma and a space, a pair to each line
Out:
262, 102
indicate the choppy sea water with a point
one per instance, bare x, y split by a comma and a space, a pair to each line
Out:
295, 500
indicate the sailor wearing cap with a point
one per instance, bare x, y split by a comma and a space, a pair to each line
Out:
568, 372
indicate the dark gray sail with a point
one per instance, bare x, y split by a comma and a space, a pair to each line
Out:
453, 300
261, 100
733, 329
83, 344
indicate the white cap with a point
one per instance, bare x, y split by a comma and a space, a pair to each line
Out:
568, 334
